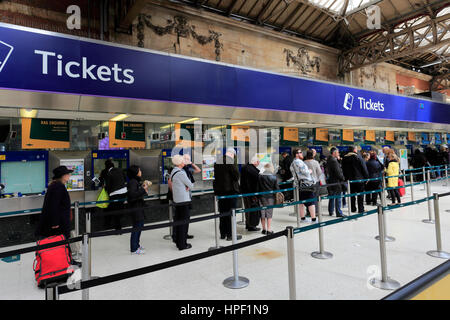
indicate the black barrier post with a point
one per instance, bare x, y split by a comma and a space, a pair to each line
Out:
430, 218
216, 225
385, 282
291, 263
85, 265
51, 292
438, 253
235, 281
321, 254
169, 236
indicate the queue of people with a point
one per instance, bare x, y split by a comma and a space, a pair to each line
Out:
307, 174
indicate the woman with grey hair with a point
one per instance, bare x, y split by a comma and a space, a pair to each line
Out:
267, 182
181, 186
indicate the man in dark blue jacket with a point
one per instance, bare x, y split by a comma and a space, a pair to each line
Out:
354, 168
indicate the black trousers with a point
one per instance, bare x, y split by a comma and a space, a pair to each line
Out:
395, 194
113, 221
371, 198
180, 232
251, 218
225, 206
356, 188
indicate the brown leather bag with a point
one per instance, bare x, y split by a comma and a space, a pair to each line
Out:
279, 198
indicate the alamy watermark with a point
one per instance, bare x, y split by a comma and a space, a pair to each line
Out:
373, 17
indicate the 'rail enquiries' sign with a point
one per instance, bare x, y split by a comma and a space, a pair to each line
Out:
36, 60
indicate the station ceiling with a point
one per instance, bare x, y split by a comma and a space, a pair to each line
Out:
342, 24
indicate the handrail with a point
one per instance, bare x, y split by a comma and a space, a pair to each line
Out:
414, 287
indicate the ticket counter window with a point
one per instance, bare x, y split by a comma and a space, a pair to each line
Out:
26, 177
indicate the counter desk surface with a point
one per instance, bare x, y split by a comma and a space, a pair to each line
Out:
32, 204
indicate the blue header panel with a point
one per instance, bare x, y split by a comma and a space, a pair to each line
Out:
41, 61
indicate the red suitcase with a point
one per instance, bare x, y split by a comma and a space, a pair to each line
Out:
401, 190
52, 264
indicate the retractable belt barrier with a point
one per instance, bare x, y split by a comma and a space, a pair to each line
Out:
164, 225
168, 264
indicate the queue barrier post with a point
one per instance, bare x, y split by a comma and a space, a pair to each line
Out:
169, 236
295, 213
291, 263
385, 282
297, 206
242, 222
446, 176
235, 281
76, 253
348, 201
383, 204
438, 253
321, 254
430, 218
424, 177
51, 292
85, 265
411, 180
216, 225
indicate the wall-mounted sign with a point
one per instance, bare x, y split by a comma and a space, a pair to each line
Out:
289, 136
320, 136
411, 136
45, 134
369, 136
126, 134
390, 137
347, 136
240, 133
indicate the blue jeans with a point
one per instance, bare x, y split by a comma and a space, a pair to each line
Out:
136, 236
334, 204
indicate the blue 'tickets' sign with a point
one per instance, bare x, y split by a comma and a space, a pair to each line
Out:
36, 60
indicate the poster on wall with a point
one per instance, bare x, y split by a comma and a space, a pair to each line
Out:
45, 134
126, 134
403, 159
208, 167
390, 137
240, 133
348, 136
411, 136
289, 136
321, 136
369, 137
76, 181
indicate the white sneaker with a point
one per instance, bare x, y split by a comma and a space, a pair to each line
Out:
139, 251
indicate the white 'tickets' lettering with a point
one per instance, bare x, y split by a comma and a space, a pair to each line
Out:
74, 69
370, 105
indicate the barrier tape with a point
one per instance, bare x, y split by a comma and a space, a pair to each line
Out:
444, 194
243, 195
168, 264
41, 247
282, 205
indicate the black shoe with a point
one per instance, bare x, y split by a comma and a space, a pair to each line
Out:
264, 232
253, 229
341, 216
222, 237
331, 214
269, 232
188, 246
238, 237
76, 263
190, 236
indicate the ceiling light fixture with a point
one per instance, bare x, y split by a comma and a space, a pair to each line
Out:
188, 120
244, 122
119, 117
28, 113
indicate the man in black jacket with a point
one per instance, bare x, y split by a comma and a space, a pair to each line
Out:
354, 168
335, 175
226, 182
115, 185
249, 184
286, 174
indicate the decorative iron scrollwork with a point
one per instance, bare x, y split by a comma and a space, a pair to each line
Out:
304, 63
180, 27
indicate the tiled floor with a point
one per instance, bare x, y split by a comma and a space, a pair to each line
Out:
356, 259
